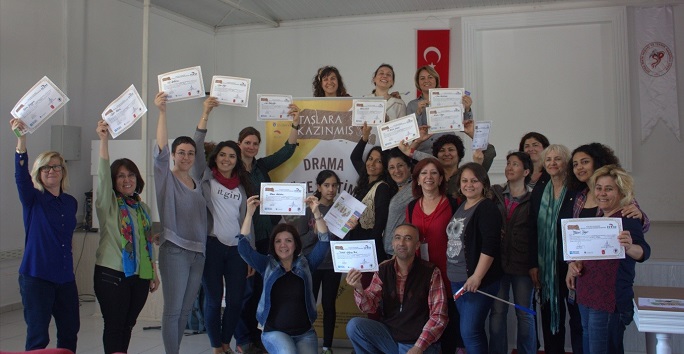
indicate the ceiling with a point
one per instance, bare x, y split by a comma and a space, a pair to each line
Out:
228, 13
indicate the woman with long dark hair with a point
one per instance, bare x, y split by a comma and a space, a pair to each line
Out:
328, 83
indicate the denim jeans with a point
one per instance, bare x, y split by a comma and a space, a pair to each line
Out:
331, 284
474, 309
373, 337
181, 278
277, 342
121, 299
523, 295
603, 332
43, 300
223, 268
554, 343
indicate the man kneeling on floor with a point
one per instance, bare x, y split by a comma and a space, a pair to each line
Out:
411, 291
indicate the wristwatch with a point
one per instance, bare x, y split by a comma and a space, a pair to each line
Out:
296, 126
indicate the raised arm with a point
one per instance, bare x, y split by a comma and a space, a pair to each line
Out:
103, 133
253, 258
294, 112
162, 132
208, 106
18, 125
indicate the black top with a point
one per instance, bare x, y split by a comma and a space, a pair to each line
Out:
288, 310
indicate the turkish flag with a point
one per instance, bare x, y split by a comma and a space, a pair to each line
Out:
432, 48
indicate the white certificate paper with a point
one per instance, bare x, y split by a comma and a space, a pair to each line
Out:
445, 119
232, 91
591, 239
273, 107
368, 110
42, 101
442, 97
183, 84
395, 132
124, 111
343, 213
481, 135
359, 255
282, 198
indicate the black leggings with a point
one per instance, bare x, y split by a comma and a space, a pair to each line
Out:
331, 285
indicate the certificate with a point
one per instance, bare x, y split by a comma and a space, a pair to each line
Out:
39, 104
183, 84
481, 135
124, 111
232, 91
591, 239
445, 119
274, 107
395, 132
282, 198
359, 255
370, 111
442, 97
344, 212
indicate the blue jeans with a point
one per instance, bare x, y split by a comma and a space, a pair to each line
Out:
44, 299
603, 332
523, 293
223, 267
373, 337
474, 309
277, 342
181, 278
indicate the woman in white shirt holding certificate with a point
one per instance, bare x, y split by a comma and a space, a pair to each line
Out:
383, 79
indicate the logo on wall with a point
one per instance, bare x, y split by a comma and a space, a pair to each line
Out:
656, 59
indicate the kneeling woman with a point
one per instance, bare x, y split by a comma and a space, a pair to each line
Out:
287, 308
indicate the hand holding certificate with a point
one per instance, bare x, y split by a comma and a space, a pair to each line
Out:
481, 135
282, 199
395, 132
442, 97
359, 255
40, 103
232, 91
445, 119
343, 215
273, 107
370, 111
591, 239
183, 84
124, 111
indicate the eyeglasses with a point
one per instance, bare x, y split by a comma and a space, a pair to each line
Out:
47, 168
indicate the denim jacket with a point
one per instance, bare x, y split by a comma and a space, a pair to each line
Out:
270, 269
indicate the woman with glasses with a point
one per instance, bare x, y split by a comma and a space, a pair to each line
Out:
46, 276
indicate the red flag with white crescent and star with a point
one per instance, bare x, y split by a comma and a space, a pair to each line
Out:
432, 48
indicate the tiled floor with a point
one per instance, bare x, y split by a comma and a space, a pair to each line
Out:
13, 334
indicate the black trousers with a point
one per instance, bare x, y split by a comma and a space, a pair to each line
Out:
331, 284
121, 299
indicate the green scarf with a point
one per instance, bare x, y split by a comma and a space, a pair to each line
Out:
546, 231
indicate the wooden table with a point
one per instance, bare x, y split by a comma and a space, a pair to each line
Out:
658, 323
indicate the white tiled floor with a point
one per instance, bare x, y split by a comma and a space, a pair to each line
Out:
13, 334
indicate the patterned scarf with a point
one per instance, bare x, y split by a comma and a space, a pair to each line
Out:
127, 228
546, 226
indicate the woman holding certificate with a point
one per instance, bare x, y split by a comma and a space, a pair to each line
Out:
328, 83
383, 79
551, 198
183, 214
125, 270
287, 309
472, 251
585, 160
46, 276
399, 168
226, 187
604, 287
372, 190
249, 139
324, 277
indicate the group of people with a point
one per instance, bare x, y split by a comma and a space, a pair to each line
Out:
446, 236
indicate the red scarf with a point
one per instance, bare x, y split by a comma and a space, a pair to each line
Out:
231, 182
